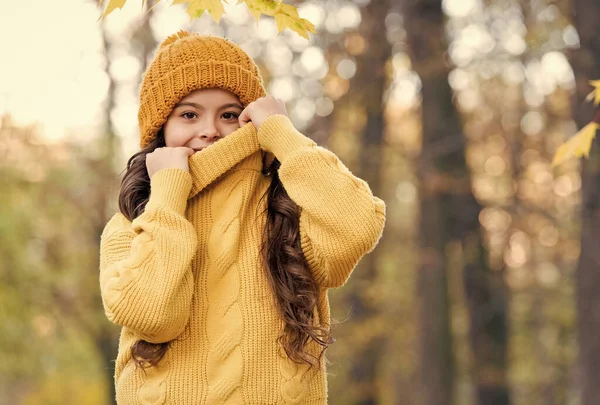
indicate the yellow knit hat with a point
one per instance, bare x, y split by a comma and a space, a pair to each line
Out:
188, 61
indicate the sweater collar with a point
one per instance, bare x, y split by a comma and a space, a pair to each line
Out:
239, 149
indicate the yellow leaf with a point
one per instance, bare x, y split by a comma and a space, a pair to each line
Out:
310, 27
255, 13
596, 92
579, 144
197, 7
288, 9
112, 5
287, 17
265, 6
283, 22
216, 9
301, 26
258, 7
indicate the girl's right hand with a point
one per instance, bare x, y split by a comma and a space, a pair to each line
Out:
168, 157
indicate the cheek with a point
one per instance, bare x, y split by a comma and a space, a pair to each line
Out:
175, 135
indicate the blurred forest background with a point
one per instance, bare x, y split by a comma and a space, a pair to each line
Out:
484, 289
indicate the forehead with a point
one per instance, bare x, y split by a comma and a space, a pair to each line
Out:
215, 94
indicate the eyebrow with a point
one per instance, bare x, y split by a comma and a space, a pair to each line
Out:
199, 107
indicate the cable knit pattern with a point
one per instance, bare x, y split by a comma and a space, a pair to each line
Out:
137, 292
293, 385
154, 388
187, 270
224, 323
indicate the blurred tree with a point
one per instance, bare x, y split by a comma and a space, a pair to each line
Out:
143, 44
449, 214
48, 301
441, 141
586, 66
364, 295
106, 339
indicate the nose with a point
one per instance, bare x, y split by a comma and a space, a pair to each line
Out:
210, 137
209, 133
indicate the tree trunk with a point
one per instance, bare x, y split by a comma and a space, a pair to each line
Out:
370, 81
586, 66
105, 339
143, 44
450, 213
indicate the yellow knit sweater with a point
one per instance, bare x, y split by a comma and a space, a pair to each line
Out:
187, 271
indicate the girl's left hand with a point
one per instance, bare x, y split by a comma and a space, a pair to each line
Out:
261, 109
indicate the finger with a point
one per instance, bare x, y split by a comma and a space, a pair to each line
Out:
244, 117
188, 151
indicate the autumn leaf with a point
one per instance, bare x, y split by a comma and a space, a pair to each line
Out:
112, 5
258, 7
579, 145
595, 94
196, 8
286, 15
300, 26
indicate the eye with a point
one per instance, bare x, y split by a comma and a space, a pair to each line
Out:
235, 116
188, 115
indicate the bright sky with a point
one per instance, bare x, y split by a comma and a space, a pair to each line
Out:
52, 65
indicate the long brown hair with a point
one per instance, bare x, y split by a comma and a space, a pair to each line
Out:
294, 287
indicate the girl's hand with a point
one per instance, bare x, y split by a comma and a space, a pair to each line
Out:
259, 110
168, 157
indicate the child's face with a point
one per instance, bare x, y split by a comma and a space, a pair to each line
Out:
202, 117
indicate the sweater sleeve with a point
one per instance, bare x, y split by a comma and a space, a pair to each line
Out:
146, 280
340, 219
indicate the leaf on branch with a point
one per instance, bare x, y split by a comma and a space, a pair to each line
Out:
112, 5
196, 8
258, 7
579, 144
286, 15
595, 94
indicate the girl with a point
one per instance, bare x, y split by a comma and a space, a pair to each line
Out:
232, 227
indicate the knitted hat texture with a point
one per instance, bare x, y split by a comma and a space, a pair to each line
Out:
189, 61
